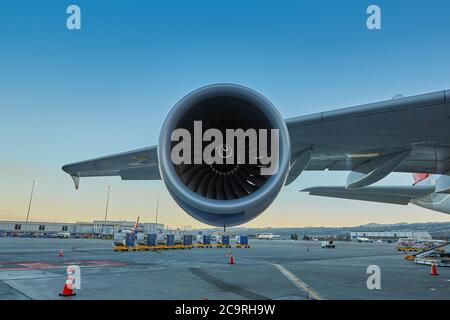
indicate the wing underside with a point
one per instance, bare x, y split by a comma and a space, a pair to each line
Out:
409, 134
139, 164
390, 194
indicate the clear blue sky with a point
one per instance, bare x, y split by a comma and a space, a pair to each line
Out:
67, 95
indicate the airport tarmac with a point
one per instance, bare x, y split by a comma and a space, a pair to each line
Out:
270, 269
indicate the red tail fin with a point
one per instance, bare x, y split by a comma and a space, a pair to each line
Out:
420, 176
136, 225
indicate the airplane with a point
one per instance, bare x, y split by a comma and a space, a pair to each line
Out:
403, 134
135, 227
268, 236
134, 230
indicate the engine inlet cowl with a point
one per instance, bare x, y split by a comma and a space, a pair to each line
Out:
224, 154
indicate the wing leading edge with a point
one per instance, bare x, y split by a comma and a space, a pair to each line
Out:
141, 164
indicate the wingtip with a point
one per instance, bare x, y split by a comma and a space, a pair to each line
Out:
76, 181
75, 178
65, 168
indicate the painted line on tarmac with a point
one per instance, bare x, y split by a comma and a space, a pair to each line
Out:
202, 274
297, 282
16, 290
291, 277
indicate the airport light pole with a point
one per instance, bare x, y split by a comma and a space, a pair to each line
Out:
31, 198
156, 219
107, 202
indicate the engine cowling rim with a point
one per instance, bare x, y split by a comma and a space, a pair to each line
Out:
260, 197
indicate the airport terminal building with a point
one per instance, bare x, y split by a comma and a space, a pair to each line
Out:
82, 229
390, 235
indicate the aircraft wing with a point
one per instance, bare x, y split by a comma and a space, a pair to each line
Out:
139, 164
409, 134
391, 194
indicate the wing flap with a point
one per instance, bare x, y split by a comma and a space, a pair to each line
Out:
147, 173
392, 194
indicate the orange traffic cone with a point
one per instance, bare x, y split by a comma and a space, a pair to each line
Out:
231, 259
61, 253
68, 289
434, 271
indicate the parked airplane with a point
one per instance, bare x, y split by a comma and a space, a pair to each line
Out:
268, 236
134, 229
409, 134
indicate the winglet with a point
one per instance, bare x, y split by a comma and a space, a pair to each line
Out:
76, 181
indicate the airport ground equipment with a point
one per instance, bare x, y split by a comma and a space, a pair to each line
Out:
223, 241
124, 242
151, 243
414, 245
328, 244
242, 242
130, 240
119, 239
124, 239
203, 241
178, 239
439, 255
141, 239
151, 239
147, 248
409, 249
187, 241
170, 240
127, 248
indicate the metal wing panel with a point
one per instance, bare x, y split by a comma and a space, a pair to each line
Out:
365, 197
133, 165
150, 172
342, 139
391, 194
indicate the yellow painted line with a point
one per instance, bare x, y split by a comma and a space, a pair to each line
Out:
297, 282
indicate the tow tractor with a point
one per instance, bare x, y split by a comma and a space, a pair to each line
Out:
328, 244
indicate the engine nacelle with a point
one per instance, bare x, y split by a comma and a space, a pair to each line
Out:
237, 189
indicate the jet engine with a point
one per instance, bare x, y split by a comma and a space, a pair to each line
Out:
242, 182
